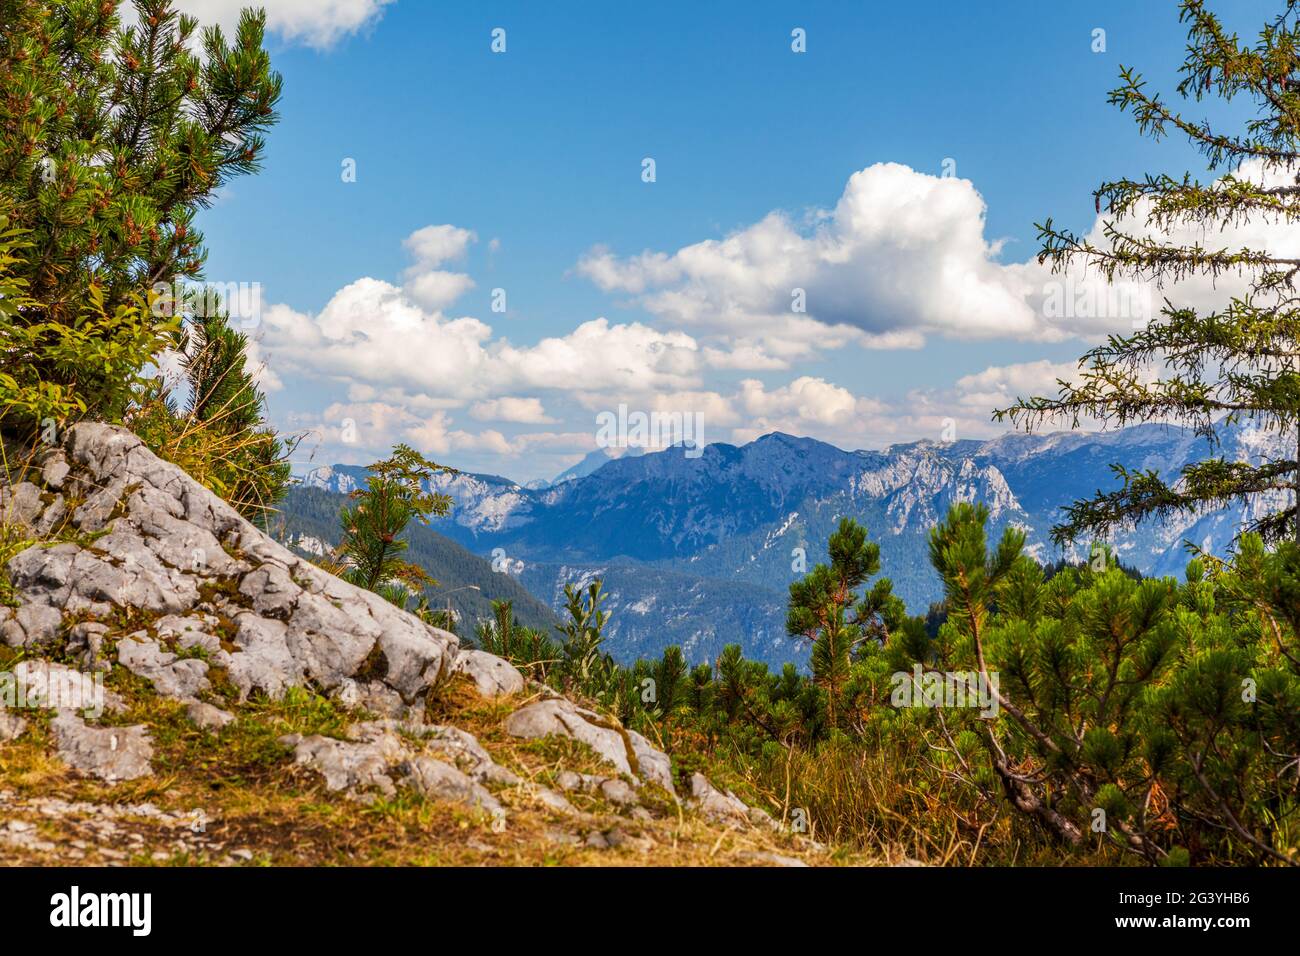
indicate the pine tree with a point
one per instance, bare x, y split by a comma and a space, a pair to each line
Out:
112, 139
395, 495
1154, 718
670, 677
825, 609
50, 372
1240, 362
699, 692
525, 647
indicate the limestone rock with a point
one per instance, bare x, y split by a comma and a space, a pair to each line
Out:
464, 750
190, 631
655, 766
715, 804
351, 766
170, 676
86, 639
166, 542
111, 753
59, 687
52, 517
11, 725
20, 504
264, 660
382, 755
218, 596
616, 791
431, 777
73, 579
492, 675
207, 716
31, 626
553, 801
376, 697
55, 471
271, 591
565, 719
568, 781
620, 748
617, 837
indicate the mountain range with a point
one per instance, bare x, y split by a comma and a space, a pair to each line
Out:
699, 551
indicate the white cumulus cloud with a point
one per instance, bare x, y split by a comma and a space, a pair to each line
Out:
902, 254
316, 23
528, 411
398, 345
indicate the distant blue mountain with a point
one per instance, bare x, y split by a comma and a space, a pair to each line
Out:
594, 461
700, 551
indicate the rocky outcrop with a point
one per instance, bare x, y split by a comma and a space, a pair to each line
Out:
166, 545
626, 750
724, 807
384, 755
137, 539
140, 569
207, 716
613, 789
170, 676
356, 767
491, 675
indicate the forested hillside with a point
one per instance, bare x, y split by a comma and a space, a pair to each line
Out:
307, 520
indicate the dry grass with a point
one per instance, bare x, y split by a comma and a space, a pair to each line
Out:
883, 800
253, 797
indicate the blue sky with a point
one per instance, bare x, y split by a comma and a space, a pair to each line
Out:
919, 313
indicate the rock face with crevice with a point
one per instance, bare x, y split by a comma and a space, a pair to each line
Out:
142, 570
724, 806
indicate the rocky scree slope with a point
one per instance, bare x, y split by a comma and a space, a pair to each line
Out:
146, 595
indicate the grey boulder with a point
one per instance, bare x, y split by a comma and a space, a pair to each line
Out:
111, 753
626, 750
492, 675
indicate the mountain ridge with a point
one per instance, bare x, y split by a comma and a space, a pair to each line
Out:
743, 515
